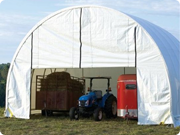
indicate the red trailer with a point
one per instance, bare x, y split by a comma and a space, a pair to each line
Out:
127, 96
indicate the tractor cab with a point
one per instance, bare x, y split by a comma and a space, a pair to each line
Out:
93, 97
91, 82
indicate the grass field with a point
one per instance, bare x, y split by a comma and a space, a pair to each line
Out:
61, 125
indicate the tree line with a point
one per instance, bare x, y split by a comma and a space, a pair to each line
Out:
3, 76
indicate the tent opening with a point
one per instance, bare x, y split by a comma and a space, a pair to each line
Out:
114, 73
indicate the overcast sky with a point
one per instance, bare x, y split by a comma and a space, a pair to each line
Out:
17, 17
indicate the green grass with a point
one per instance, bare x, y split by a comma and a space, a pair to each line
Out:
61, 125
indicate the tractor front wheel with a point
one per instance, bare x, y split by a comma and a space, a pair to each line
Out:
73, 113
111, 107
98, 114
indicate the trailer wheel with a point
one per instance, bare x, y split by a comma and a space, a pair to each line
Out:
73, 113
111, 107
98, 114
43, 112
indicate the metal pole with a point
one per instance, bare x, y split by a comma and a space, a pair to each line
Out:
32, 71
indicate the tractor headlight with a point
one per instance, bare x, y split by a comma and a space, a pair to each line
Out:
87, 103
79, 103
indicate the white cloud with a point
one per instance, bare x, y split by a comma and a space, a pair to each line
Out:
163, 7
1, 1
166, 7
6, 34
22, 33
82, 2
2, 24
15, 18
178, 1
46, 13
15, 26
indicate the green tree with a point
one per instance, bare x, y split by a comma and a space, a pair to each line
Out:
4, 70
3, 75
2, 94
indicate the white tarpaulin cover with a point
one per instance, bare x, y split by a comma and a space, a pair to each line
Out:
93, 36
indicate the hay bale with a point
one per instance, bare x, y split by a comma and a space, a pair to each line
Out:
43, 84
76, 85
57, 80
60, 81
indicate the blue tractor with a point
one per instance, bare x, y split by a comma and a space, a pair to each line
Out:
93, 103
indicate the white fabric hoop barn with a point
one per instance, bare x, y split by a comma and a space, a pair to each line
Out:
93, 36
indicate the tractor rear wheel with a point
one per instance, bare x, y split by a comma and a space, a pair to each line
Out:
111, 107
98, 114
73, 113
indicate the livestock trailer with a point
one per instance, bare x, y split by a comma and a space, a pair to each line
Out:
127, 96
57, 91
